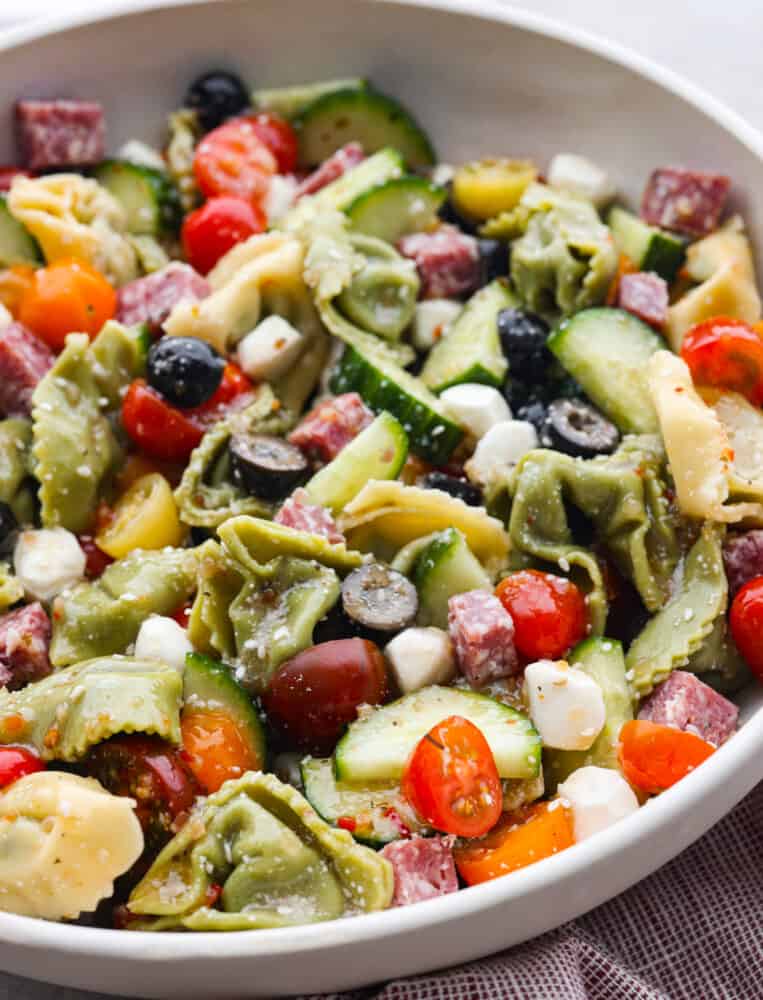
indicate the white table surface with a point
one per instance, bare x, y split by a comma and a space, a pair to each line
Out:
715, 44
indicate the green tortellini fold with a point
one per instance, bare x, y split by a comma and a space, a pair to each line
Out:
17, 489
279, 865
381, 297
251, 541
64, 714
117, 356
10, 588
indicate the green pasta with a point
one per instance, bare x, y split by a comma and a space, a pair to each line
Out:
17, 489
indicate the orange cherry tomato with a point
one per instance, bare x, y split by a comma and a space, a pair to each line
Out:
654, 757
279, 137
69, 296
16, 762
15, 282
549, 613
158, 429
519, 839
233, 159
728, 354
214, 748
746, 620
212, 230
452, 781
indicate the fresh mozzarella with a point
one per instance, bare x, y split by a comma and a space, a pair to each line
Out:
48, 561
566, 705
431, 320
163, 639
580, 176
420, 657
476, 407
142, 155
598, 797
500, 449
443, 174
270, 349
279, 197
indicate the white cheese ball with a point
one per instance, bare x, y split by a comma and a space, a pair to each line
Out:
477, 408
500, 449
162, 639
581, 177
598, 797
63, 841
420, 657
48, 561
432, 319
135, 151
566, 705
279, 197
270, 349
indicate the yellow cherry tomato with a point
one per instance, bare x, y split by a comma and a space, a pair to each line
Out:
486, 188
145, 517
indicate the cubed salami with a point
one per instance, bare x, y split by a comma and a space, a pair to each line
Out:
331, 169
60, 133
685, 702
151, 299
686, 201
300, 513
331, 425
482, 632
743, 558
24, 359
644, 295
24, 643
447, 260
423, 867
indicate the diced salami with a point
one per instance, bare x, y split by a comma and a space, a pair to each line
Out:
644, 295
331, 425
686, 201
447, 260
331, 169
151, 299
300, 513
424, 868
60, 133
24, 643
24, 359
482, 632
685, 702
743, 558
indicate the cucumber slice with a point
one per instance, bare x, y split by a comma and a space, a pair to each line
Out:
376, 815
471, 350
385, 386
606, 351
447, 566
403, 205
603, 660
372, 119
17, 246
210, 685
650, 248
377, 747
292, 101
378, 452
148, 196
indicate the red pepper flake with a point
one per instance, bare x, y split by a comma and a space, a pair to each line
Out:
347, 823
213, 894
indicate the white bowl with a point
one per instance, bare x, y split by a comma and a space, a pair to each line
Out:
483, 79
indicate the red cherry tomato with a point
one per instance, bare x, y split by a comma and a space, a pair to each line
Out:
16, 762
655, 757
746, 620
8, 174
452, 781
233, 392
316, 694
728, 354
97, 559
549, 613
182, 614
279, 137
158, 429
233, 159
210, 232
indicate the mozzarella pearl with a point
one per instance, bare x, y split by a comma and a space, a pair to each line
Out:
48, 561
420, 657
270, 349
580, 176
476, 407
162, 639
566, 705
431, 320
598, 797
500, 449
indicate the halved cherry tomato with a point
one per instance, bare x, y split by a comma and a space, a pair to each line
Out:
654, 757
233, 385
452, 781
182, 614
15, 282
96, 559
233, 159
16, 762
746, 620
728, 354
519, 839
9, 174
549, 613
69, 296
144, 517
158, 429
279, 137
215, 749
222, 222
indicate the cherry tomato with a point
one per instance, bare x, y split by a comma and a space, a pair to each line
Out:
15, 282
654, 757
726, 353
231, 391
451, 779
182, 614
222, 222
746, 620
9, 174
279, 137
313, 696
69, 296
549, 613
97, 559
233, 159
158, 429
215, 749
16, 762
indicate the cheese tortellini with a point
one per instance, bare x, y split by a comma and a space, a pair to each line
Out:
63, 841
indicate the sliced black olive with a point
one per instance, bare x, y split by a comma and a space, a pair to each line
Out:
185, 370
267, 466
460, 488
379, 599
523, 339
216, 96
578, 429
494, 259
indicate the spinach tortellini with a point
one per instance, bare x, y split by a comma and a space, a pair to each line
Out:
17, 488
279, 864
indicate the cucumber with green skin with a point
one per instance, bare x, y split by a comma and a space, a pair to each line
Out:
650, 248
148, 196
17, 245
403, 205
447, 566
292, 101
377, 747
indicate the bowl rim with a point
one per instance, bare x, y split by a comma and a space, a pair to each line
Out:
743, 753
